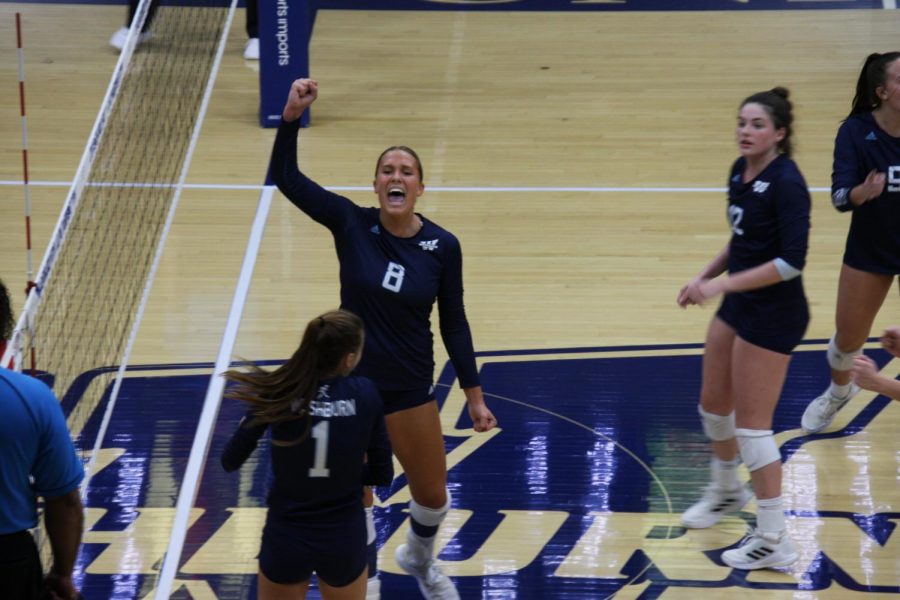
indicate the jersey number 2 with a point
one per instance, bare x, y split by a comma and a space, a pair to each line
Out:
735, 214
393, 277
320, 434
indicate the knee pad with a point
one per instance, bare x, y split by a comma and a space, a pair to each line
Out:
757, 447
370, 525
429, 517
840, 361
718, 428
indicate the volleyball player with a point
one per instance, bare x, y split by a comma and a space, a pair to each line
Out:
328, 440
865, 180
394, 264
762, 317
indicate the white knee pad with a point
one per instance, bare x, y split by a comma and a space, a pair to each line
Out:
840, 361
370, 525
757, 447
718, 428
430, 517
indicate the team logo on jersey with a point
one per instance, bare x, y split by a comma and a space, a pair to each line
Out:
429, 245
760, 186
871, 137
374, 229
323, 392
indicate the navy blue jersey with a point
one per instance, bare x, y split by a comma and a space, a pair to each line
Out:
322, 475
873, 243
769, 218
391, 283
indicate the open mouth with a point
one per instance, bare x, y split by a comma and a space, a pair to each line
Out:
396, 195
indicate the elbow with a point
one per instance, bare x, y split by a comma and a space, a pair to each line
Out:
840, 198
788, 271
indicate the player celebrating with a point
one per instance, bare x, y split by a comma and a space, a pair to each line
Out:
324, 425
394, 264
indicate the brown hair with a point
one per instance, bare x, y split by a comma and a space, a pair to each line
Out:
409, 151
285, 393
872, 77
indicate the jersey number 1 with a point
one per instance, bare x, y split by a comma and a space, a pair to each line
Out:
320, 434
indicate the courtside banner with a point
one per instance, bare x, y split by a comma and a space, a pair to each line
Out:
284, 30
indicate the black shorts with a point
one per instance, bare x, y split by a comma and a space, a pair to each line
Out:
334, 549
776, 326
20, 567
396, 400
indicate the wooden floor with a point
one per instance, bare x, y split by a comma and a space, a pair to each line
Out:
594, 128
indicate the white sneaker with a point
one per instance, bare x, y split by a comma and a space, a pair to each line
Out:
715, 504
433, 584
251, 49
373, 588
762, 550
117, 40
820, 412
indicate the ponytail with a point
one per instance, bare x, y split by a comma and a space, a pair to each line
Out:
872, 76
285, 393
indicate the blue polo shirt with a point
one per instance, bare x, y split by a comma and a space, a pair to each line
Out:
37, 456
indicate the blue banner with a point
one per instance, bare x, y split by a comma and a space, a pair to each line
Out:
284, 30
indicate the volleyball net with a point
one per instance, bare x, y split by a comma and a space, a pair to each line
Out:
80, 318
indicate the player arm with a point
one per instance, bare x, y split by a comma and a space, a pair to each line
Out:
454, 326
866, 375
849, 187
379, 467
322, 206
242, 443
64, 522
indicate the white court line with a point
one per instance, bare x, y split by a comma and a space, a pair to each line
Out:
190, 483
449, 189
890, 4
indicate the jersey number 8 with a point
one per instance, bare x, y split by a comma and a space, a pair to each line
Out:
393, 277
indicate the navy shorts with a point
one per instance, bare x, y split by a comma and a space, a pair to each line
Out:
776, 326
334, 549
397, 400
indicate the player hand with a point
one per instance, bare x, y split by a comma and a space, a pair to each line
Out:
482, 417
872, 187
60, 587
303, 92
684, 295
865, 373
890, 340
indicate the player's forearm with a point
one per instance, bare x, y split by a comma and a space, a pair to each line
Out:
64, 521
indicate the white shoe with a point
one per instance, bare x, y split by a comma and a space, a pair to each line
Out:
820, 412
715, 504
251, 49
433, 584
117, 40
373, 588
762, 550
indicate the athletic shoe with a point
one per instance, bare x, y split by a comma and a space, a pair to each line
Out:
760, 550
820, 412
433, 584
715, 504
117, 40
251, 49
373, 588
